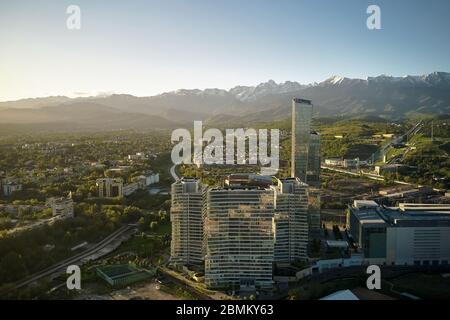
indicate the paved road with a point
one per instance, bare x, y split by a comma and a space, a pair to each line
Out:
72, 260
365, 174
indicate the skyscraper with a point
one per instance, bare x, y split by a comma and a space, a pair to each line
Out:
186, 215
305, 147
313, 169
241, 229
239, 237
291, 221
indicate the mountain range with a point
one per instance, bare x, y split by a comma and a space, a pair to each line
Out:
382, 96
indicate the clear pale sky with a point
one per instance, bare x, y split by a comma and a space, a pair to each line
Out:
149, 47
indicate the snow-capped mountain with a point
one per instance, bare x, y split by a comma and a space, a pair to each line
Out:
252, 93
383, 95
339, 81
244, 93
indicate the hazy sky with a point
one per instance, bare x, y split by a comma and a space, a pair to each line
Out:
149, 47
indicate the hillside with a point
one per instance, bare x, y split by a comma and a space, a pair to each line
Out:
381, 97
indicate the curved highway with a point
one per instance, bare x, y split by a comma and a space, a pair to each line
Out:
72, 260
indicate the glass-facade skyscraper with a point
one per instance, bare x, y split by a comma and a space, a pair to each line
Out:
313, 169
305, 153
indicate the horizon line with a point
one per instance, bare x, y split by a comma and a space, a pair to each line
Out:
105, 94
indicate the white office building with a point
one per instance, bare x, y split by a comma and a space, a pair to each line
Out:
411, 234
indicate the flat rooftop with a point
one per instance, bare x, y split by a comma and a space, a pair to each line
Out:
401, 216
301, 100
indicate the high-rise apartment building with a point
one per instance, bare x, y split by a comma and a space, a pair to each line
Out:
239, 236
186, 215
290, 222
240, 230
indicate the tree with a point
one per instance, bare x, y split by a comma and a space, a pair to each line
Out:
12, 267
141, 222
153, 225
162, 215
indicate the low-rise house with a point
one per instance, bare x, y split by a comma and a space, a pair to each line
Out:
10, 187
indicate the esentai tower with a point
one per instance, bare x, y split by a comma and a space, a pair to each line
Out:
305, 156
305, 152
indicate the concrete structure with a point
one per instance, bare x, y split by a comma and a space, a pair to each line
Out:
345, 163
389, 168
18, 210
10, 187
239, 237
334, 162
152, 178
324, 265
186, 215
291, 227
393, 197
351, 163
412, 234
280, 226
240, 230
341, 244
148, 179
123, 274
110, 187
139, 156
314, 220
130, 188
62, 207
250, 224
424, 207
